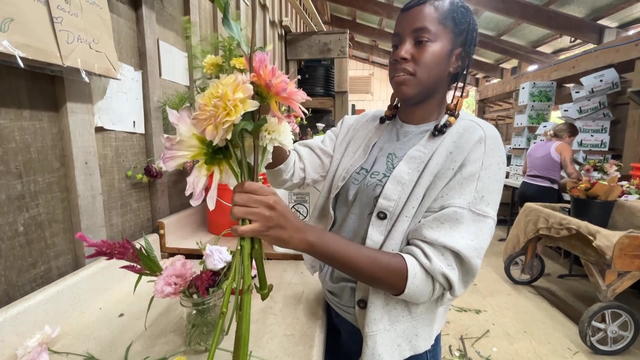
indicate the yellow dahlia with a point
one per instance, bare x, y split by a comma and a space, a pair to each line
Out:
211, 64
221, 106
239, 63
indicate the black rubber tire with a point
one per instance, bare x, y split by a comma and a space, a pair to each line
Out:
584, 326
514, 257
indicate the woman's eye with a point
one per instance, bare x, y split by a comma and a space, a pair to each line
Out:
421, 42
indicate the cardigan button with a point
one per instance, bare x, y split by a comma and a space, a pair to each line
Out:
361, 303
381, 215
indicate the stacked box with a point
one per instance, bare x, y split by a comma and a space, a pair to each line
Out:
537, 92
520, 138
533, 115
590, 111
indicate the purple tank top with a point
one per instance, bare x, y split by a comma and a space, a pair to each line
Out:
543, 161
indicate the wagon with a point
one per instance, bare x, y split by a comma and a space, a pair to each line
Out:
611, 259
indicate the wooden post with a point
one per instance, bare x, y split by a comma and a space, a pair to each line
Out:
148, 45
83, 170
631, 151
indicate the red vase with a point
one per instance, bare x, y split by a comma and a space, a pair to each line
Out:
219, 221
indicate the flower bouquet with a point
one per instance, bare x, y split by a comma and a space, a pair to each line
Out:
631, 189
199, 290
244, 106
595, 170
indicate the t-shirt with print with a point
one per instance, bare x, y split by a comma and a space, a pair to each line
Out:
355, 202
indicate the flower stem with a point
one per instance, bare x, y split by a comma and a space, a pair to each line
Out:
264, 288
227, 286
243, 328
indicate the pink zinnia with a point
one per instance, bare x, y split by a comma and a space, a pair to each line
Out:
175, 277
274, 87
119, 250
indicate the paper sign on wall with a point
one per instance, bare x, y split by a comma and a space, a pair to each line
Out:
84, 33
118, 103
174, 65
26, 26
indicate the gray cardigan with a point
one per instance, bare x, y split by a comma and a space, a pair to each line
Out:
441, 203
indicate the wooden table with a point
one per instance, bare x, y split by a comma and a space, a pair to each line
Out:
97, 312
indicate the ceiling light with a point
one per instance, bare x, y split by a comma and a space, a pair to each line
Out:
533, 67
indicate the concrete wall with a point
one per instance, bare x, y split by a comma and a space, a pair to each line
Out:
39, 198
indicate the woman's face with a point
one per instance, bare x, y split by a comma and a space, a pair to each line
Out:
422, 60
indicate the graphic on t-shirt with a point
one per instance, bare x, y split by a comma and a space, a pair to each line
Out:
375, 179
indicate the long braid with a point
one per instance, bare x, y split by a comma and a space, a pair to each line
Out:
458, 17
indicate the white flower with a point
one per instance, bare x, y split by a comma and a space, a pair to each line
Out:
37, 347
216, 257
276, 133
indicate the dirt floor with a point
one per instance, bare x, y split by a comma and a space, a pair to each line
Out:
498, 320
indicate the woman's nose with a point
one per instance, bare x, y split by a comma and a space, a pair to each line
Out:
402, 52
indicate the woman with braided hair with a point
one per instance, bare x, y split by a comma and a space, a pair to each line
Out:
408, 197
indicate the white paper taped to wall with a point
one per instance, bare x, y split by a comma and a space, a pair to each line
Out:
118, 103
174, 65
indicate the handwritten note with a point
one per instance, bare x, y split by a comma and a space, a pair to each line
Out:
84, 34
26, 26
118, 103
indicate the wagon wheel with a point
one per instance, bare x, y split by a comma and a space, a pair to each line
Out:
514, 269
608, 328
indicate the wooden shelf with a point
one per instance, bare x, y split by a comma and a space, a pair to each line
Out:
325, 103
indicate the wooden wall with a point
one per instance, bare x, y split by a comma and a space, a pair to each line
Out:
60, 175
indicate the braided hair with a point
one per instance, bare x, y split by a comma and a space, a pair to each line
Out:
457, 16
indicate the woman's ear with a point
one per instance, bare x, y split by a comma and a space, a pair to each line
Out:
455, 65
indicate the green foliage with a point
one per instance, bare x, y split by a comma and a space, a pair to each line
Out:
541, 96
175, 101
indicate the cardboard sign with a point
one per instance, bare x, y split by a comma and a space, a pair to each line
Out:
26, 29
85, 37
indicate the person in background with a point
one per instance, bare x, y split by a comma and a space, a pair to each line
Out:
544, 163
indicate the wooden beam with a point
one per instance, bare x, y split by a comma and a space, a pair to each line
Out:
605, 13
486, 68
303, 15
323, 10
486, 42
550, 19
317, 45
375, 7
513, 50
371, 32
315, 17
517, 23
621, 50
370, 49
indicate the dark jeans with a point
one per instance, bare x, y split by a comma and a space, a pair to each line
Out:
344, 340
529, 192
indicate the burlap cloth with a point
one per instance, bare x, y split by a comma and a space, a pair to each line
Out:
556, 228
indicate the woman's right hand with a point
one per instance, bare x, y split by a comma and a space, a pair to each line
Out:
566, 159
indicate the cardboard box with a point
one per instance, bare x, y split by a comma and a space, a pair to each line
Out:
577, 110
537, 92
593, 127
517, 159
591, 142
536, 140
516, 169
533, 115
602, 115
520, 138
600, 83
515, 177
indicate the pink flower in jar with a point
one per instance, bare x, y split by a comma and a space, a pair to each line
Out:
175, 277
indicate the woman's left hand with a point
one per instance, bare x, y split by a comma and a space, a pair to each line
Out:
271, 219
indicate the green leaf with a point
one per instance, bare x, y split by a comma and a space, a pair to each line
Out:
126, 352
230, 25
149, 248
147, 313
137, 283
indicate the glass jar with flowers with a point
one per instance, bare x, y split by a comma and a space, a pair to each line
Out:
197, 285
